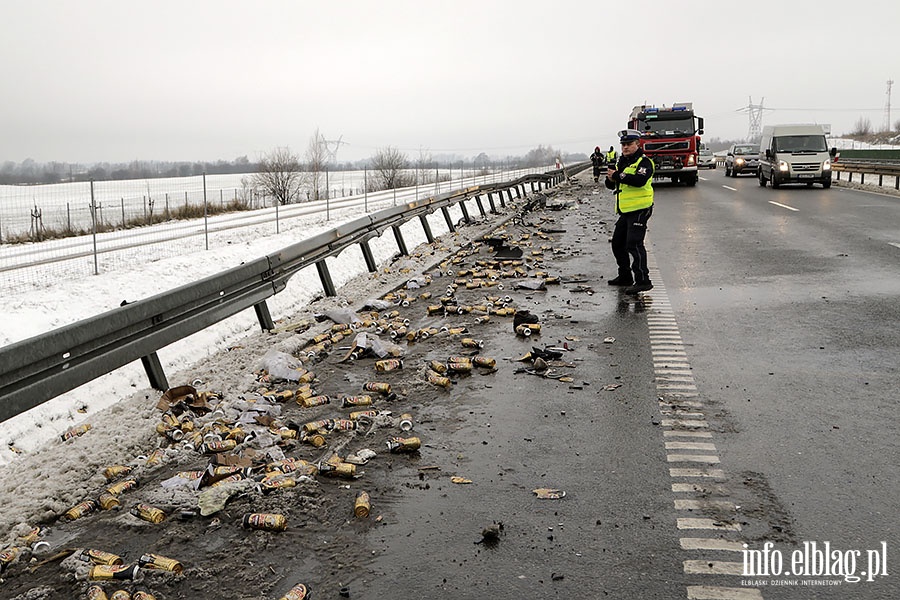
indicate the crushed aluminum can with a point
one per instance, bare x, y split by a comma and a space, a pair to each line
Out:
160, 563
389, 364
9, 556
156, 457
148, 513
143, 596
74, 432
264, 521
438, 367
116, 471
399, 445
277, 482
471, 343
213, 446
377, 386
123, 486
341, 469
437, 379
484, 362
344, 425
358, 415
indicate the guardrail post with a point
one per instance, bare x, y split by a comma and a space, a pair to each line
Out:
481, 206
398, 235
325, 278
264, 316
368, 256
880, 178
448, 219
897, 182
465, 212
428, 235
532, 186
155, 372
491, 200
519, 194
862, 178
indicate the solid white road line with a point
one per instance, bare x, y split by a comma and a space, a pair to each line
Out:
894, 244
784, 206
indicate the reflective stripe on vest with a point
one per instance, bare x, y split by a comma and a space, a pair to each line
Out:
636, 198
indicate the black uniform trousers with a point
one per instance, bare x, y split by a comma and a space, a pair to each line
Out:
628, 242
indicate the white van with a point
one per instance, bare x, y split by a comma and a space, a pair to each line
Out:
795, 154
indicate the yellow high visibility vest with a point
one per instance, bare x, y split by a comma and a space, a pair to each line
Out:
636, 198
611, 156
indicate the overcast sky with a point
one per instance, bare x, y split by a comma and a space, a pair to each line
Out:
98, 80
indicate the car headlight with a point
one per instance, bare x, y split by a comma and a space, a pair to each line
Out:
826, 166
739, 161
783, 166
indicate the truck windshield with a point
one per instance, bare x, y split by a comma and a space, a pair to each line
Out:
676, 126
800, 143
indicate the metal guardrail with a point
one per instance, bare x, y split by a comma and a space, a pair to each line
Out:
37, 369
864, 167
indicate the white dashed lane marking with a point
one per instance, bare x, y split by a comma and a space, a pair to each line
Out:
688, 441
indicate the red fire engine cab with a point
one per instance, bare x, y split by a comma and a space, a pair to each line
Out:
671, 138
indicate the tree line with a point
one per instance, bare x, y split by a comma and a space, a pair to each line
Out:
393, 167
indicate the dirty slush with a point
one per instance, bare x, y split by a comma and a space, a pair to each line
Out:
306, 462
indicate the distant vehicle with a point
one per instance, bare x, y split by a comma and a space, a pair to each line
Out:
670, 138
742, 158
706, 159
795, 154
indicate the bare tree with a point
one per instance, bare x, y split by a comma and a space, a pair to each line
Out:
317, 158
423, 164
279, 175
389, 165
863, 126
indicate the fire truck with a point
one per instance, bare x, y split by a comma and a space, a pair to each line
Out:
671, 137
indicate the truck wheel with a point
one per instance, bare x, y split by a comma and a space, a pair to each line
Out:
826, 184
761, 178
692, 181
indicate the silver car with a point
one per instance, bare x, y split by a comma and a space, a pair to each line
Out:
707, 159
742, 158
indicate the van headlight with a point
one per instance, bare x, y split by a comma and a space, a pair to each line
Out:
826, 166
783, 166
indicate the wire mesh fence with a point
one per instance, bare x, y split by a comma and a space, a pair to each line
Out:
79, 229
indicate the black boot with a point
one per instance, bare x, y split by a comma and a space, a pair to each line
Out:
621, 280
643, 286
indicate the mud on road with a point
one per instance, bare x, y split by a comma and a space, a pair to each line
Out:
445, 503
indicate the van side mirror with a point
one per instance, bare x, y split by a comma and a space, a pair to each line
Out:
768, 153
833, 152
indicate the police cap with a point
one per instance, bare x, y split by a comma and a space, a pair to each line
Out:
627, 135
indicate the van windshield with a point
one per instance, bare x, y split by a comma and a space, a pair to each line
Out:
800, 143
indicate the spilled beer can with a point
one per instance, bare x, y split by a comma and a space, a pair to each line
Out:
156, 457
148, 513
79, 510
364, 400
9, 556
472, 343
121, 595
298, 592
95, 592
74, 432
264, 521
389, 364
341, 469
118, 572
436, 379
314, 401
116, 471
100, 557
143, 596
362, 506
363, 414
438, 367
108, 501
315, 439
484, 362
277, 482
160, 563
215, 446
123, 486
377, 386
406, 422
399, 445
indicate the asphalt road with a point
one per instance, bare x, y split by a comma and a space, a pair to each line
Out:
745, 399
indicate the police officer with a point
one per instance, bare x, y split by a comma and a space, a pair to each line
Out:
631, 178
611, 156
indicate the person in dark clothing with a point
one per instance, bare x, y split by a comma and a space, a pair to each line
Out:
597, 159
631, 178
